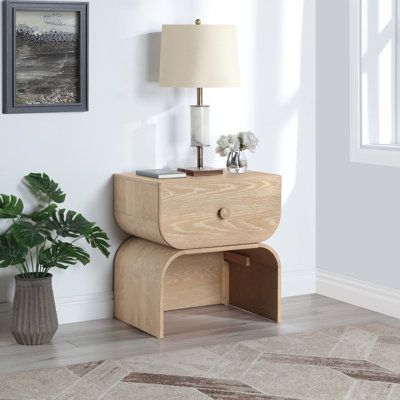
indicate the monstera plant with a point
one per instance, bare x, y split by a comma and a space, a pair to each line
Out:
35, 243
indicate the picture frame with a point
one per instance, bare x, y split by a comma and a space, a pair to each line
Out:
45, 56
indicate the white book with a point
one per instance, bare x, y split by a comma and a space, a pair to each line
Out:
161, 173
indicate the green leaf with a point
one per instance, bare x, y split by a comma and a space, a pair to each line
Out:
62, 255
72, 224
11, 252
97, 238
42, 215
28, 234
43, 184
10, 206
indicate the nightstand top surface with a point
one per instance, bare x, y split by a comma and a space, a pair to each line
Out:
213, 178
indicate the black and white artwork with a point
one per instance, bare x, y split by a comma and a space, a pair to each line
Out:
48, 69
47, 57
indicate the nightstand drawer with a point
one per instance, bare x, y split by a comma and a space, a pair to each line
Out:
196, 212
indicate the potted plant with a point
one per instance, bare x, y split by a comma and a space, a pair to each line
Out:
35, 243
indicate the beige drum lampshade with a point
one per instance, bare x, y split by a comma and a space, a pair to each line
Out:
199, 56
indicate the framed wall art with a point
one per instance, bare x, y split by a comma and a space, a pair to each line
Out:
45, 56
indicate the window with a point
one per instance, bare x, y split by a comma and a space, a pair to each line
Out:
374, 87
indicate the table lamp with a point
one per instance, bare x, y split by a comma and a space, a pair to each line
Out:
199, 56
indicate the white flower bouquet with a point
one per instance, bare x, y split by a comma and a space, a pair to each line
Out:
232, 143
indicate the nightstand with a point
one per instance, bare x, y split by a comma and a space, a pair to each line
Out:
197, 242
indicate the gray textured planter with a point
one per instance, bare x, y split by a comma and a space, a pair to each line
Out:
34, 317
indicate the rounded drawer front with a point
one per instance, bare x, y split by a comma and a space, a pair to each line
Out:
198, 212
202, 212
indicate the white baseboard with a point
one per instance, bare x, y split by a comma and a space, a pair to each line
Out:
298, 282
74, 308
360, 293
84, 307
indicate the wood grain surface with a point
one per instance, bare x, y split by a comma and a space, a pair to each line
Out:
257, 288
136, 203
150, 278
186, 213
193, 280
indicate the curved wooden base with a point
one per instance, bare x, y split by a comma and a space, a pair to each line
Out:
150, 278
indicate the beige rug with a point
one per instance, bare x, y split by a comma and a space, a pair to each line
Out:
352, 362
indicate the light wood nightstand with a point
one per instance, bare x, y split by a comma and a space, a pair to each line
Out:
197, 243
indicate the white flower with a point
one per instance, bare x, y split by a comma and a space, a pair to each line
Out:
222, 151
222, 141
248, 141
225, 144
241, 141
233, 142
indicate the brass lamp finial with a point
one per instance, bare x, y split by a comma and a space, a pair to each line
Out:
198, 21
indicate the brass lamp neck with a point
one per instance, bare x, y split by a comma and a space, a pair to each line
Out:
199, 157
199, 96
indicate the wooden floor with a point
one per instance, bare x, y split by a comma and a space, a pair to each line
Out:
106, 339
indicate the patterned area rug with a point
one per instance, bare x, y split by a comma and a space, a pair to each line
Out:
351, 362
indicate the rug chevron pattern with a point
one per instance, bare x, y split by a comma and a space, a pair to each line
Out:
349, 363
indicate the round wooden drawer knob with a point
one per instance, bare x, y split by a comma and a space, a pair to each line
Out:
224, 213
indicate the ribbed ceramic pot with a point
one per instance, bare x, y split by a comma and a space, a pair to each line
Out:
34, 318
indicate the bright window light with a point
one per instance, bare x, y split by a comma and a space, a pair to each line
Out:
379, 67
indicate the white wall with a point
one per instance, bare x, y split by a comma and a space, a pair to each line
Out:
133, 124
357, 204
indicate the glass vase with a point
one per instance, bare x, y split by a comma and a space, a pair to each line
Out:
236, 162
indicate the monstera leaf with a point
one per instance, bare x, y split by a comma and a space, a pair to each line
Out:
32, 243
97, 238
62, 255
11, 252
28, 234
70, 224
73, 224
42, 215
42, 184
10, 206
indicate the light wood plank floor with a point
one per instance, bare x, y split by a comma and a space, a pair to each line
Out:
106, 339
